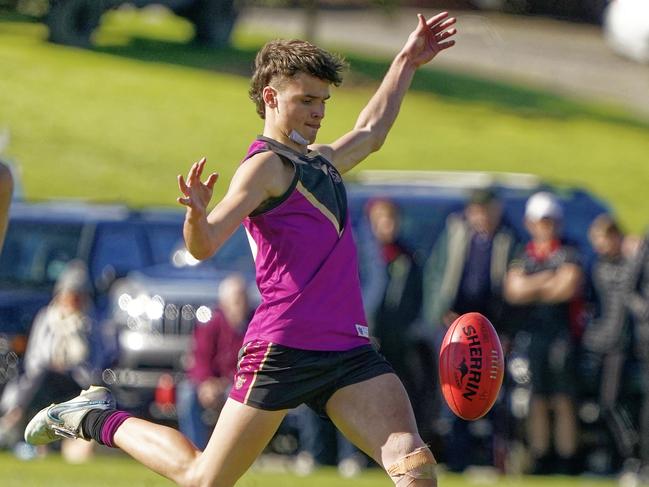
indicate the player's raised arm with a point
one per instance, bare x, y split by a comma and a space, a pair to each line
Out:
372, 127
261, 177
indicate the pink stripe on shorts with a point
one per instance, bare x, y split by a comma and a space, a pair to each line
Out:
253, 357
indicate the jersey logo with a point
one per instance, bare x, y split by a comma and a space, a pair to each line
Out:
241, 380
363, 331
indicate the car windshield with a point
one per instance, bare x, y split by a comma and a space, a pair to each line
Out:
163, 238
34, 254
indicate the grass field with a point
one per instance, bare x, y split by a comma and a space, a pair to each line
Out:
120, 121
118, 471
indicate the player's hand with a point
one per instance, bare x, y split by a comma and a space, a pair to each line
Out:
196, 194
429, 38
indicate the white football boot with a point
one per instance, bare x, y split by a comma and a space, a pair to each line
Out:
64, 420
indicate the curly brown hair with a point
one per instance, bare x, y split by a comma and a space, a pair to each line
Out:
284, 59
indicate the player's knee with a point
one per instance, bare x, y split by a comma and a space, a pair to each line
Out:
199, 474
193, 475
413, 465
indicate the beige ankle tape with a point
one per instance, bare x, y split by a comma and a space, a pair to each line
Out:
417, 464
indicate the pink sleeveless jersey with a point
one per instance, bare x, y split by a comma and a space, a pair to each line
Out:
305, 259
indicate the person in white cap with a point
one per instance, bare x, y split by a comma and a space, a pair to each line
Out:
547, 281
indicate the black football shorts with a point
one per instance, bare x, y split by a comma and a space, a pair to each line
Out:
274, 377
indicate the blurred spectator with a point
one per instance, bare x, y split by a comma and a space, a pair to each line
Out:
467, 268
607, 335
395, 317
213, 361
6, 189
57, 354
464, 273
399, 305
638, 303
547, 280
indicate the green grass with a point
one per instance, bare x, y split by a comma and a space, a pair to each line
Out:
120, 471
120, 121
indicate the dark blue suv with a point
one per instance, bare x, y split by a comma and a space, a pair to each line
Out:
42, 237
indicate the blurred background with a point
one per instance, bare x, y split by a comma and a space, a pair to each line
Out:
103, 102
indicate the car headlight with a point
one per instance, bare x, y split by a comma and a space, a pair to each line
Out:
142, 306
203, 314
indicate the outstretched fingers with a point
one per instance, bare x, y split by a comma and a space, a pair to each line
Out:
421, 24
211, 180
200, 167
193, 176
445, 45
445, 35
182, 185
191, 172
439, 19
439, 29
193, 181
184, 201
436, 29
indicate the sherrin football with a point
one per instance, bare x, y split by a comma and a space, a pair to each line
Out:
471, 366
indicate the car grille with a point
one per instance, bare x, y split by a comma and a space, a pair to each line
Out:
177, 319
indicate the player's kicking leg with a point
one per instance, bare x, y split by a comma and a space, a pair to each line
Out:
240, 435
376, 415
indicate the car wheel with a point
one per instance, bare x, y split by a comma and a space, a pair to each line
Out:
72, 22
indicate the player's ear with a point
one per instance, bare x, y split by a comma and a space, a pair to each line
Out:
269, 95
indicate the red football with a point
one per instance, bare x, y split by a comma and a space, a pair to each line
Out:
471, 366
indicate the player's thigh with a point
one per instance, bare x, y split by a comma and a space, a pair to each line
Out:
239, 436
376, 416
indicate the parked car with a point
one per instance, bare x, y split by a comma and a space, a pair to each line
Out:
42, 237
157, 308
626, 28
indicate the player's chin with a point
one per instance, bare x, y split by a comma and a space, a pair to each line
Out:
311, 133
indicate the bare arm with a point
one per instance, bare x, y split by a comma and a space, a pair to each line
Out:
261, 177
521, 288
376, 119
546, 287
562, 286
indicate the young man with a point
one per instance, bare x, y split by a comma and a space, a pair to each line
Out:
546, 280
307, 342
